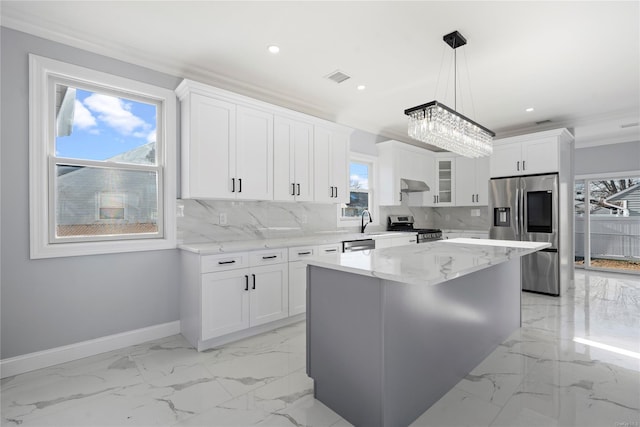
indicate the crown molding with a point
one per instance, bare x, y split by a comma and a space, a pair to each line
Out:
56, 32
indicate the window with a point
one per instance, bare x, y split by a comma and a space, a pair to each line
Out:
361, 191
607, 232
102, 175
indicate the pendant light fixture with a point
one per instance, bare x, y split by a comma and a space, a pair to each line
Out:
436, 124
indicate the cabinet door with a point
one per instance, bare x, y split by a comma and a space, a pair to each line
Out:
303, 161
539, 156
505, 160
225, 303
482, 181
269, 298
322, 185
297, 288
404, 240
208, 156
292, 160
340, 166
465, 181
283, 159
254, 154
445, 170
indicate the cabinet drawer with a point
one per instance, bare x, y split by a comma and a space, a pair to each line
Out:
269, 256
302, 252
223, 262
331, 248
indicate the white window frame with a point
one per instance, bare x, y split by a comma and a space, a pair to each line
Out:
373, 185
41, 150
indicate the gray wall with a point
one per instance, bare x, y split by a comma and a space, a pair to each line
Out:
53, 302
607, 158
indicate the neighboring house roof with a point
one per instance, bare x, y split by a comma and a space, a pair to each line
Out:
624, 194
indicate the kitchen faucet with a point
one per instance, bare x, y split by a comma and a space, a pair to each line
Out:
362, 224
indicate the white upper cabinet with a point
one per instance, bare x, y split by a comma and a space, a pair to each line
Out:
331, 165
208, 147
472, 181
235, 147
396, 161
445, 185
254, 154
293, 160
227, 147
529, 154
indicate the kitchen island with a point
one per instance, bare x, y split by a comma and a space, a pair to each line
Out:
390, 331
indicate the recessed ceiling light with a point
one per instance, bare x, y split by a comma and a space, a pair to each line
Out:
361, 87
528, 110
274, 49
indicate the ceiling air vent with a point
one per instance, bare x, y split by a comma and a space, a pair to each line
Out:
543, 122
338, 76
629, 125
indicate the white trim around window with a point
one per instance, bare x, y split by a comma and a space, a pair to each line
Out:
373, 185
42, 72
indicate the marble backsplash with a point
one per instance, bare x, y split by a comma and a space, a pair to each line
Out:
249, 220
460, 218
200, 221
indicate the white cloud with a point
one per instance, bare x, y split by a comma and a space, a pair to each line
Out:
82, 118
152, 136
116, 114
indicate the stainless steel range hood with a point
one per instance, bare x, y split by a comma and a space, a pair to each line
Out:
412, 186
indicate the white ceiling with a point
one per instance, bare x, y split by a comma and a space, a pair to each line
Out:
577, 62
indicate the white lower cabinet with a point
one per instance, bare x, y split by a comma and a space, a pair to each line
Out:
390, 241
298, 273
223, 295
225, 303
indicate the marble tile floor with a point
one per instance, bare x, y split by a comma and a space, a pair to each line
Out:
574, 362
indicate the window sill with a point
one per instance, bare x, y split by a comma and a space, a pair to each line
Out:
59, 250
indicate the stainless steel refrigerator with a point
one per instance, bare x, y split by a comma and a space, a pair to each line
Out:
527, 208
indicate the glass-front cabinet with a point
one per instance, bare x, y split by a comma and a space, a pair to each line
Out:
444, 195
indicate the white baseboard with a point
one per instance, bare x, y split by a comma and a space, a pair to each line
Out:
42, 359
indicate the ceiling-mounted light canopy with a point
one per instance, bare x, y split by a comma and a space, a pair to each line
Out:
436, 124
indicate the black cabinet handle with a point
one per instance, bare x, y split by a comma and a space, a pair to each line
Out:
240, 184
336, 192
298, 189
253, 276
330, 250
233, 185
270, 257
293, 189
518, 165
304, 253
523, 168
233, 261
246, 282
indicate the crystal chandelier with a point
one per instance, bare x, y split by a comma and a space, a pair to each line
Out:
436, 124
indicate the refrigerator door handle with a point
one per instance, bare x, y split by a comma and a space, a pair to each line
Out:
517, 215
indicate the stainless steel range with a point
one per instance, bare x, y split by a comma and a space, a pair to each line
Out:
405, 223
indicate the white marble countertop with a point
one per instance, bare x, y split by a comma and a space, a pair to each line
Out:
428, 263
319, 238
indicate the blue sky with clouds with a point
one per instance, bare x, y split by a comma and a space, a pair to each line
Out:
105, 126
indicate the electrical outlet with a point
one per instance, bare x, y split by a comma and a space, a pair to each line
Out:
475, 212
303, 219
223, 219
180, 211
447, 217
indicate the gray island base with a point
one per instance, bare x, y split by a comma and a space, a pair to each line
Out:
382, 351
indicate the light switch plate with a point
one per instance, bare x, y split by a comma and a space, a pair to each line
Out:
223, 219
